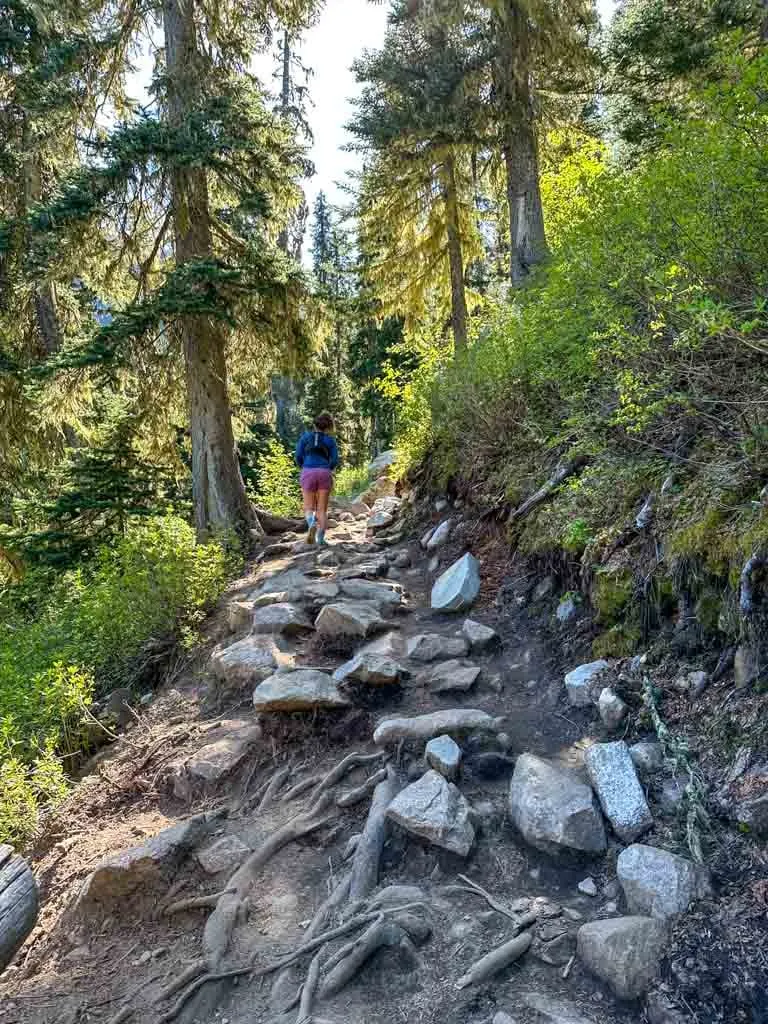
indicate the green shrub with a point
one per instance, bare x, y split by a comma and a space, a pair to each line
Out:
63, 638
277, 490
351, 481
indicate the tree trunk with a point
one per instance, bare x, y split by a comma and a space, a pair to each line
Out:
527, 239
217, 485
283, 239
18, 903
455, 258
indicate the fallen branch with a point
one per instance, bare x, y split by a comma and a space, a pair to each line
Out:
547, 490
478, 890
344, 767
355, 796
747, 583
496, 960
273, 524
301, 787
364, 876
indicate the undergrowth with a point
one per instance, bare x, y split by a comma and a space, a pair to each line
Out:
65, 638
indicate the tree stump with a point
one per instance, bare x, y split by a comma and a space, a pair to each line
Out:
18, 903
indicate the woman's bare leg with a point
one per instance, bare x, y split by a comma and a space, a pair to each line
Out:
322, 511
309, 499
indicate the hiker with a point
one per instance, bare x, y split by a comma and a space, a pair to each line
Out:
318, 456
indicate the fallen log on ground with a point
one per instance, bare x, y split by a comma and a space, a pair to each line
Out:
547, 490
364, 876
496, 960
18, 903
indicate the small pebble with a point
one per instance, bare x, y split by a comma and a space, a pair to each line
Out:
588, 887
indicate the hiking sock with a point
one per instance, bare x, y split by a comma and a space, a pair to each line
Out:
321, 536
311, 519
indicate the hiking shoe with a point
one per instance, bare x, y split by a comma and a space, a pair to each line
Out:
312, 533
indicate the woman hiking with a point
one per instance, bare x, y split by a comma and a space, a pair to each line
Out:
318, 456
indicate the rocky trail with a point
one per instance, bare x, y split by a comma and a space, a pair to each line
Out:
374, 799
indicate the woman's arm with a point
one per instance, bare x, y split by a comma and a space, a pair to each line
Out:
334, 453
300, 449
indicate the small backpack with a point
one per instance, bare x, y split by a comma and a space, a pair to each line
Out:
318, 448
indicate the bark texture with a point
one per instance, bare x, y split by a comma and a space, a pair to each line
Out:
217, 485
18, 903
455, 256
528, 244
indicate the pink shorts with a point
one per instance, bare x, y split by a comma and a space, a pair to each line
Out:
314, 480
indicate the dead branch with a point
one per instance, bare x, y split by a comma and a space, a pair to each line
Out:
547, 490
355, 796
301, 787
747, 584
496, 960
278, 524
364, 876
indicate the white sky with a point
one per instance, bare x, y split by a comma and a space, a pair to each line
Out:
345, 29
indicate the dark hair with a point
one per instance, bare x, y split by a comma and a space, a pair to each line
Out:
324, 422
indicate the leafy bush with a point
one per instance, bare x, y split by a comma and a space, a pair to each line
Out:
351, 480
277, 489
65, 637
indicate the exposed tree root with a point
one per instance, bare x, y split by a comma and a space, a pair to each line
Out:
362, 792
274, 784
301, 787
221, 923
344, 767
195, 902
308, 991
478, 890
365, 864
187, 975
547, 490
121, 1016
496, 960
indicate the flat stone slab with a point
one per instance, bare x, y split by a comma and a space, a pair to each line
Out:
457, 588
384, 594
583, 684
614, 779
434, 647
372, 669
658, 883
554, 811
143, 868
224, 854
216, 760
348, 618
444, 755
625, 952
320, 591
245, 662
450, 677
281, 618
302, 690
390, 645
479, 637
434, 809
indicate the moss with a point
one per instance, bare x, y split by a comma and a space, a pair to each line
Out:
617, 642
611, 592
708, 609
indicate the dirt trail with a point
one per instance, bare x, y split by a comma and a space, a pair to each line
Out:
90, 964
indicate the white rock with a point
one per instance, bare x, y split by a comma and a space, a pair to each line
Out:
612, 708
588, 887
426, 537
552, 810
479, 637
458, 587
302, 690
433, 564
567, 609
621, 796
372, 669
624, 952
239, 615
281, 618
454, 721
382, 462
434, 647
347, 618
389, 645
582, 684
434, 809
444, 755
224, 854
216, 760
441, 505
439, 536
647, 756
658, 883
383, 513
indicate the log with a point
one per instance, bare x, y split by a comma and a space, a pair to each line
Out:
423, 727
547, 490
496, 960
272, 524
18, 903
